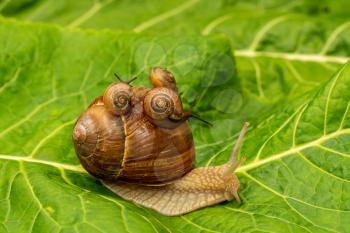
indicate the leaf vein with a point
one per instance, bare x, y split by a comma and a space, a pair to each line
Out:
268, 216
96, 7
285, 123
162, 17
292, 151
264, 29
321, 169
293, 56
50, 135
196, 225
23, 172
285, 198
11, 80
334, 35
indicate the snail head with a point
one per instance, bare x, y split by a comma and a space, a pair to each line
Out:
163, 106
163, 103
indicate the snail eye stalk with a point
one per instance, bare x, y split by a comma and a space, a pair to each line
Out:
195, 116
131, 80
201, 119
117, 76
121, 80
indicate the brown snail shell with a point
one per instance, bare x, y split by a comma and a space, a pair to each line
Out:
115, 140
162, 78
164, 107
98, 139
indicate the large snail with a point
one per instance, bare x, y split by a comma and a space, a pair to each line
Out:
137, 141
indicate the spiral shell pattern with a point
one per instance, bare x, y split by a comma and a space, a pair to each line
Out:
121, 100
160, 103
85, 135
117, 98
98, 138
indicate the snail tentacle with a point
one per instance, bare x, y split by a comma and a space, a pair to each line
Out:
232, 163
121, 80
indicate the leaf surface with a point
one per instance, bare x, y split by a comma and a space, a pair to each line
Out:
296, 177
281, 48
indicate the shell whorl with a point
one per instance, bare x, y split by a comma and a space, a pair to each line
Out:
117, 98
85, 135
163, 104
80, 134
98, 138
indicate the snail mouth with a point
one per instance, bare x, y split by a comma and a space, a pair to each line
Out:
180, 116
177, 118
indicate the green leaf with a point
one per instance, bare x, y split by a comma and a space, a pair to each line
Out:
47, 82
281, 48
300, 164
296, 176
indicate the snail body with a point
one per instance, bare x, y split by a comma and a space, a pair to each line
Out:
135, 138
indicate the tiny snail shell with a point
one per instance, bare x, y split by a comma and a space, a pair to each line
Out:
163, 107
117, 98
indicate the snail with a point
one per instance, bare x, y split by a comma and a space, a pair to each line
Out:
138, 142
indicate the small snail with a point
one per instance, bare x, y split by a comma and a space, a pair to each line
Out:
137, 141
